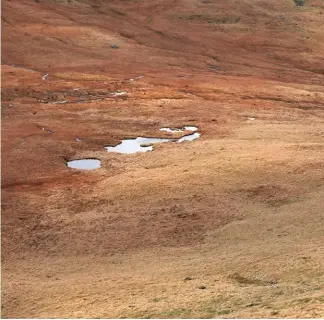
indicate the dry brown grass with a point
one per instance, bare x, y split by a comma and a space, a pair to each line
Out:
229, 225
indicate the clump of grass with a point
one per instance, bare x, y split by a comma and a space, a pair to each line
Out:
299, 3
224, 20
248, 281
212, 20
120, 13
159, 32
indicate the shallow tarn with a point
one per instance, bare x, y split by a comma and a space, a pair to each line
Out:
134, 145
142, 144
84, 164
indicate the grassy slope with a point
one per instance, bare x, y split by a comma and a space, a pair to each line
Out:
239, 211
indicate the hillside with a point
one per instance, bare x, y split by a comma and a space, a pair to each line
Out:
228, 225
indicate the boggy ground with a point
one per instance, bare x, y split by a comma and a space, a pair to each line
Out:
230, 225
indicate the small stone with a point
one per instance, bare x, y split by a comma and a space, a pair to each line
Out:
252, 304
187, 279
202, 287
214, 67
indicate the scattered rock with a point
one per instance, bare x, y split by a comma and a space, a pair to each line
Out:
216, 68
187, 279
202, 287
252, 304
114, 46
47, 130
60, 102
118, 93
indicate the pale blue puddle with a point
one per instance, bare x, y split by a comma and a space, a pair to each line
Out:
171, 130
142, 144
174, 130
190, 128
84, 164
189, 137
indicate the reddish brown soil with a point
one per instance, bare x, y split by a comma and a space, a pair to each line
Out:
230, 225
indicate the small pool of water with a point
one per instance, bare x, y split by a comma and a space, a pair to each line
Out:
84, 164
173, 130
140, 144
190, 128
190, 137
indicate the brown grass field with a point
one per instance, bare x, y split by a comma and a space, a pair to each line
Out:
227, 226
